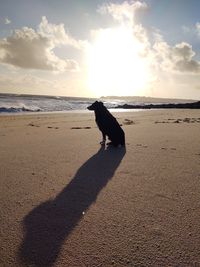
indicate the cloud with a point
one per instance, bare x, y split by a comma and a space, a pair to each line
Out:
30, 49
198, 28
154, 49
192, 31
124, 12
7, 21
177, 58
57, 34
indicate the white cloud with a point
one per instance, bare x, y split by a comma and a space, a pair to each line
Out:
57, 34
158, 53
198, 28
7, 21
176, 58
124, 12
30, 49
192, 31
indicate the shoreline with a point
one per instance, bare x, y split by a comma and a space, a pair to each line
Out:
78, 111
119, 108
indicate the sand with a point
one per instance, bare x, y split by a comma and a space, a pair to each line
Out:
67, 201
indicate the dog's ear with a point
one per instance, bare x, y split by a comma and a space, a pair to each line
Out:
96, 102
100, 103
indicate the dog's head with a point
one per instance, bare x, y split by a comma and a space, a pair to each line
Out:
97, 105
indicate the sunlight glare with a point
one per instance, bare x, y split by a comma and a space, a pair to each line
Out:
115, 64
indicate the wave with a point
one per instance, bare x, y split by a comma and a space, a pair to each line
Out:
34, 103
18, 109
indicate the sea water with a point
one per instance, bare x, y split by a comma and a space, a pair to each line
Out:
11, 103
19, 104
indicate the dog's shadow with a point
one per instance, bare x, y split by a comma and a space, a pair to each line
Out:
47, 226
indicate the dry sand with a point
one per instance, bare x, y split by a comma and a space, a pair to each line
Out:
67, 201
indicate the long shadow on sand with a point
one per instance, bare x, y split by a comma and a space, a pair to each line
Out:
47, 226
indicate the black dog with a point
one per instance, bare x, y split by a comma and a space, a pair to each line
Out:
107, 124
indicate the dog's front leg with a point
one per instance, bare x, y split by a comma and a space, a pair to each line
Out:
103, 139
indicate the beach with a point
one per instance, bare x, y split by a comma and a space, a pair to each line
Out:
65, 200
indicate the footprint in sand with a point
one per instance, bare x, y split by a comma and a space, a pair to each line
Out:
51, 127
140, 145
186, 120
78, 128
33, 125
178, 121
165, 148
128, 122
161, 122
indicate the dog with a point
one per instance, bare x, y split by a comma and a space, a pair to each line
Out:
108, 125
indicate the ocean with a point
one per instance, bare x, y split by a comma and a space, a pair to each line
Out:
19, 104
10, 103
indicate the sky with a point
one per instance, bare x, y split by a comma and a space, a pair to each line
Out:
93, 48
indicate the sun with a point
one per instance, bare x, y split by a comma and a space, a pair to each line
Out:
116, 65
